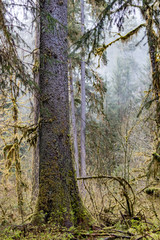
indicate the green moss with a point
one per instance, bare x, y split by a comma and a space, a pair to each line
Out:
153, 192
156, 156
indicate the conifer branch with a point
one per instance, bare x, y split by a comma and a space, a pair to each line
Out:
99, 51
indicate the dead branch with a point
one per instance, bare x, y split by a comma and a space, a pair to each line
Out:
123, 183
113, 236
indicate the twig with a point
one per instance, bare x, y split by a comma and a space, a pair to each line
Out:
124, 219
113, 236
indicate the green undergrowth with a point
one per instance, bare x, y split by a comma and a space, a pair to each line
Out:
136, 229
43, 232
132, 229
145, 229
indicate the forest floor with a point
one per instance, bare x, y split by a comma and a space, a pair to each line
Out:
136, 230
112, 217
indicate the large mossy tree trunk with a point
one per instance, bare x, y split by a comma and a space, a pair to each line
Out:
58, 197
153, 34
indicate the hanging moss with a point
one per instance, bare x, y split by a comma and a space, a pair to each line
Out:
99, 51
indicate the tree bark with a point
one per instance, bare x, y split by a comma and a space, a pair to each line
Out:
83, 101
76, 155
154, 48
35, 161
58, 195
16, 156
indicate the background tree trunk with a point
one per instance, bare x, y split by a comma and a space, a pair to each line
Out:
35, 162
76, 155
83, 101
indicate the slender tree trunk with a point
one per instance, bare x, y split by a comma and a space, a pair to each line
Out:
58, 195
35, 162
83, 102
76, 155
16, 157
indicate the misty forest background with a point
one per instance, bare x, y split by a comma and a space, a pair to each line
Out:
114, 131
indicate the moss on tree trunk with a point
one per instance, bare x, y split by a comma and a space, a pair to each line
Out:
154, 48
58, 198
